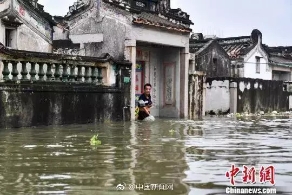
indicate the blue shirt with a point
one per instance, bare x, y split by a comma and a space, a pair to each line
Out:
147, 101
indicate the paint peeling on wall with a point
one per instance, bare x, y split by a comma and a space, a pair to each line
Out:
217, 97
253, 95
196, 85
241, 86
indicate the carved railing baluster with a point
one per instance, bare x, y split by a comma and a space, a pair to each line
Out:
14, 71
72, 74
65, 73
93, 74
32, 71
24, 71
87, 76
99, 77
41, 73
57, 72
80, 75
49, 72
5, 71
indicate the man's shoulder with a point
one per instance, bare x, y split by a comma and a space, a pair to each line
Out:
142, 96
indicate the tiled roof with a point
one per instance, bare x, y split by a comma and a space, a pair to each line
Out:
235, 47
280, 59
280, 55
195, 46
154, 20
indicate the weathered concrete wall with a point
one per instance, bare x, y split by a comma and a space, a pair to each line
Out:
30, 41
217, 96
108, 23
47, 104
214, 61
255, 95
196, 96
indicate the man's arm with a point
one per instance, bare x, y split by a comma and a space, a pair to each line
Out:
142, 106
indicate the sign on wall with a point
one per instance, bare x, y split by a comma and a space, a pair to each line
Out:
169, 82
142, 55
33, 20
139, 79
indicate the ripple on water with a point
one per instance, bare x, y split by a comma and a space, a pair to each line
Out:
195, 156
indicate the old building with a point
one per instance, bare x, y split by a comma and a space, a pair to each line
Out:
24, 25
280, 60
249, 57
208, 56
149, 33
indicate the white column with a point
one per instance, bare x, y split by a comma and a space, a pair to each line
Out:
204, 98
233, 97
130, 54
184, 79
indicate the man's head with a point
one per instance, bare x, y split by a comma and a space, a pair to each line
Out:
147, 88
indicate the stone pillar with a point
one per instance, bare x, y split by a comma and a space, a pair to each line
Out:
184, 85
130, 54
1, 69
290, 102
204, 98
192, 68
233, 97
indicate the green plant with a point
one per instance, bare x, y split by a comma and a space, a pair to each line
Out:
94, 141
171, 131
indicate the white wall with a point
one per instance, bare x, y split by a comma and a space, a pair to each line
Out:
159, 37
2, 33
5, 5
250, 65
217, 96
31, 41
170, 55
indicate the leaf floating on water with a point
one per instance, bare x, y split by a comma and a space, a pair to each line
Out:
171, 131
94, 141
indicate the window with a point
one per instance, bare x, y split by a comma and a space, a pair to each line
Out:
215, 66
215, 61
258, 67
10, 38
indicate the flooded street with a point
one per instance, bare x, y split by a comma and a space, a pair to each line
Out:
192, 155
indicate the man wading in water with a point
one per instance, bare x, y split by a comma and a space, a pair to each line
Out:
145, 102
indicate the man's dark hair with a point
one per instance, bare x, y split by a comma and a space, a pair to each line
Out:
147, 85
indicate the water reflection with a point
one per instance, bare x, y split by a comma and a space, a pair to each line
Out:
191, 155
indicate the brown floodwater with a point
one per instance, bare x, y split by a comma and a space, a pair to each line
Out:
186, 157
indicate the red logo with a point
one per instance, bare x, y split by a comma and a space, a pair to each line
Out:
21, 11
249, 175
232, 174
266, 174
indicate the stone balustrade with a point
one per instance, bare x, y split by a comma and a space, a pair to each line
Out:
19, 71
25, 66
